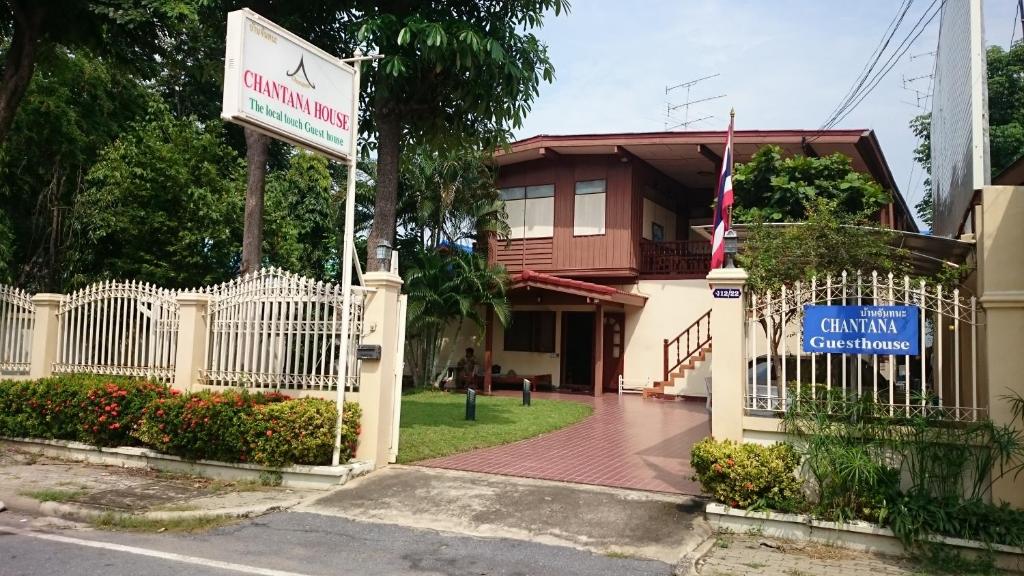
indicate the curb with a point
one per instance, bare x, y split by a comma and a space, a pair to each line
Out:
687, 565
83, 513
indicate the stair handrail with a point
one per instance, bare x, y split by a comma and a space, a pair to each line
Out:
696, 340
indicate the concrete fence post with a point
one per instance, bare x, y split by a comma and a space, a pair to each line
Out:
1001, 283
190, 358
377, 377
44, 335
728, 366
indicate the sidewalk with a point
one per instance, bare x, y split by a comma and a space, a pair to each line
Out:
752, 555
38, 485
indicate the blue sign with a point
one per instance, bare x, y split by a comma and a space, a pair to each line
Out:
883, 330
726, 292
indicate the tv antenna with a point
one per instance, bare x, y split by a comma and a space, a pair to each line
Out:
669, 107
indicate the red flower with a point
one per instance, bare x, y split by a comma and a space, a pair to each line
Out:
270, 432
730, 462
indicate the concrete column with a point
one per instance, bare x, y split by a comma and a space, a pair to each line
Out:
44, 335
728, 370
1000, 221
190, 358
377, 377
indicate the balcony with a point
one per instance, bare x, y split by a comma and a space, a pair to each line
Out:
675, 259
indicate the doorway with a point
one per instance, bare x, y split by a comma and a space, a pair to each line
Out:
614, 358
578, 351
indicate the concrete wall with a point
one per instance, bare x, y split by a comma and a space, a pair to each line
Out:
655, 212
672, 305
1001, 283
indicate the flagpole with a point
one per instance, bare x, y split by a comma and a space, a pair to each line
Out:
732, 123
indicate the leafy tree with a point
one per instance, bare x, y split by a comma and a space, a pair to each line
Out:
773, 187
129, 31
922, 128
75, 106
160, 206
829, 242
1006, 105
463, 71
446, 288
302, 216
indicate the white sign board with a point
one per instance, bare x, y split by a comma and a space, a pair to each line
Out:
281, 85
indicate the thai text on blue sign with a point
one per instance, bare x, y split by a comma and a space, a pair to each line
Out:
886, 330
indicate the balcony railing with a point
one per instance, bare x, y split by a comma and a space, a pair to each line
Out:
678, 258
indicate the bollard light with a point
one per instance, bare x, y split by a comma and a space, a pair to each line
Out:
526, 392
732, 244
470, 404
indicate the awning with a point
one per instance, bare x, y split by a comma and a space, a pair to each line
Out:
927, 253
529, 279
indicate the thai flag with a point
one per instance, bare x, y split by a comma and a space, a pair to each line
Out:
723, 206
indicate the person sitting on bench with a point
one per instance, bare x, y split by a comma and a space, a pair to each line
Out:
467, 369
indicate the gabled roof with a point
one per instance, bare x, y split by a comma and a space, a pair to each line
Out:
687, 156
531, 279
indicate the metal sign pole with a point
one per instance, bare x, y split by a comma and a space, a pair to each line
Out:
346, 259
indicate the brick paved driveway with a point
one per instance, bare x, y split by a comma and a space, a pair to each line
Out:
629, 442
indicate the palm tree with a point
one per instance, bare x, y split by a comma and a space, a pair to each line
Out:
446, 289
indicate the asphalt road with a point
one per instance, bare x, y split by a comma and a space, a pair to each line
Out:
294, 544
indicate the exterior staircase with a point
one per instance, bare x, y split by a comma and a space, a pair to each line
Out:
682, 356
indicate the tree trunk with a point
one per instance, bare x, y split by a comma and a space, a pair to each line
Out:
19, 63
257, 149
389, 136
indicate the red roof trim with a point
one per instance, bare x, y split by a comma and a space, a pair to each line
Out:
557, 283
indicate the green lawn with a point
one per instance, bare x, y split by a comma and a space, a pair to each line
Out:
433, 423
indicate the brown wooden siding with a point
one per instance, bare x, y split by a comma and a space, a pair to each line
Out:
535, 253
612, 253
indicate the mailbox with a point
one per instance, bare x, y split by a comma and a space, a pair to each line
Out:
368, 352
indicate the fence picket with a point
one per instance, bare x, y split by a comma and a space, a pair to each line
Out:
944, 315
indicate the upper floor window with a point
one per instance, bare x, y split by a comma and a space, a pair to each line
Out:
589, 208
531, 210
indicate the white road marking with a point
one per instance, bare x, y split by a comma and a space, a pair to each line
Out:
151, 553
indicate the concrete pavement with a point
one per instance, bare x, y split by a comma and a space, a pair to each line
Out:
661, 527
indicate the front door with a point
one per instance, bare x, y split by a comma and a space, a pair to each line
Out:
614, 349
578, 351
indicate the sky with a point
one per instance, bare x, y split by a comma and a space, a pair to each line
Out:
782, 64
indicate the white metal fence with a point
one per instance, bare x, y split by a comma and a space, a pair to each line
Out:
120, 328
17, 320
941, 380
275, 330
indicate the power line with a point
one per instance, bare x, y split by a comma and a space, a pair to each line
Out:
872, 60
893, 60
864, 86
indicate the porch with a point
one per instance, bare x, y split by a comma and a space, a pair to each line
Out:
674, 259
565, 335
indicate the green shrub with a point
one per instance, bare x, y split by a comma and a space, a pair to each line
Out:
99, 410
300, 431
231, 426
749, 475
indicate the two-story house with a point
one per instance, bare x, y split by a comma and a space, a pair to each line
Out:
607, 266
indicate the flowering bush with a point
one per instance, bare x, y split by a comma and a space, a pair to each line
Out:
301, 431
749, 475
268, 429
99, 410
202, 426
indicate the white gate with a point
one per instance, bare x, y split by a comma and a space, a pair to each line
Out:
17, 320
942, 380
119, 328
277, 330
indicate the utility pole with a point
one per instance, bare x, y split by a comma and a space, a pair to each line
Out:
669, 107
